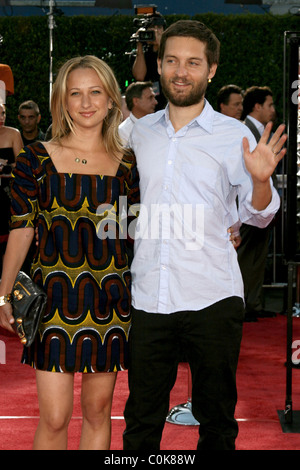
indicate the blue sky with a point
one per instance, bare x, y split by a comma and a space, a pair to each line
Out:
166, 7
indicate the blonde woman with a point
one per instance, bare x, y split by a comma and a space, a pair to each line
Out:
62, 185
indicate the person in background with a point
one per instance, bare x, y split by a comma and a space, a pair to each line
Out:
7, 83
145, 64
230, 101
259, 110
124, 109
29, 117
70, 189
187, 289
10, 145
140, 100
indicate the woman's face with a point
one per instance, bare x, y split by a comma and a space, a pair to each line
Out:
86, 99
2, 115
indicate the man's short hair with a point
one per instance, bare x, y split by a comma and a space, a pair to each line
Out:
225, 92
135, 90
254, 95
196, 30
29, 105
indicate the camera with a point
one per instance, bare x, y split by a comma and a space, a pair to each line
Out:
148, 18
143, 34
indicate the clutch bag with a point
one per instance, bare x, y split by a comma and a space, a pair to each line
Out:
28, 303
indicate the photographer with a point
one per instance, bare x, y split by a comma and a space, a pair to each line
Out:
145, 65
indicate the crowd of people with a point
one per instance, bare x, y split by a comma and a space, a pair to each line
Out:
190, 173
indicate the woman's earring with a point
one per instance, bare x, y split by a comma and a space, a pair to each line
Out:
209, 80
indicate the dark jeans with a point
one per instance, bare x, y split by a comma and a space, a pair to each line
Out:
210, 339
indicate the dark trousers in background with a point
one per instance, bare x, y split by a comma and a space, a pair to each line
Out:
252, 258
210, 339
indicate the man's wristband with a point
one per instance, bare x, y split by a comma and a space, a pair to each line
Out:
4, 299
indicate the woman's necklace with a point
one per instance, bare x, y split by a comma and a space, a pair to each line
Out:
79, 160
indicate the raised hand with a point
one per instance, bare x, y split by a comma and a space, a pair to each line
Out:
262, 162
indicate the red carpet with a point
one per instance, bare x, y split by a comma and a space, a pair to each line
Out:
261, 391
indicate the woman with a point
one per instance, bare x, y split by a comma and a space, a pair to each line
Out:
62, 184
10, 145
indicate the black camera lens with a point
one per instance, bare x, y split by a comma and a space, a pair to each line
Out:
147, 35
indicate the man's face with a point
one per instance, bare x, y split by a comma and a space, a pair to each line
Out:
266, 111
146, 104
185, 71
234, 107
29, 120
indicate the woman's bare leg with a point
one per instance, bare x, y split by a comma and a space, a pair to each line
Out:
96, 401
55, 394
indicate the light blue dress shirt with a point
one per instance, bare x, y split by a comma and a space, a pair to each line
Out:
189, 182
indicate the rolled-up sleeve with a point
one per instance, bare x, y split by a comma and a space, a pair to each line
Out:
251, 216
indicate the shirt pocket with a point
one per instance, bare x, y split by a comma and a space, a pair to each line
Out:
197, 185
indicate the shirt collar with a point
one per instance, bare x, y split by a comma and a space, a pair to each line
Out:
132, 117
204, 120
260, 127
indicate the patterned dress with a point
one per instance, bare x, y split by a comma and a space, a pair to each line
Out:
81, 261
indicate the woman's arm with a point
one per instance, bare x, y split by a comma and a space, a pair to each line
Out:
18, 244
17, 143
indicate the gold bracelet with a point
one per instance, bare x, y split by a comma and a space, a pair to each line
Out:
4, 299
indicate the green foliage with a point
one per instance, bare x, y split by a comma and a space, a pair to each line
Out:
251, 51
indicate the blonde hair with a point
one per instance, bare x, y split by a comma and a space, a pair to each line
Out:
62, 123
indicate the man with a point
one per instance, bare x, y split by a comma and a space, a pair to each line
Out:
140, 100
230, 101
29, 118
187, 290
145, 64
259, 109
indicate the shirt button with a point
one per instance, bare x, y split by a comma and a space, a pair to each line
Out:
170, 162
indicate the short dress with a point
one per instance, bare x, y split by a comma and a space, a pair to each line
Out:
81, 261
